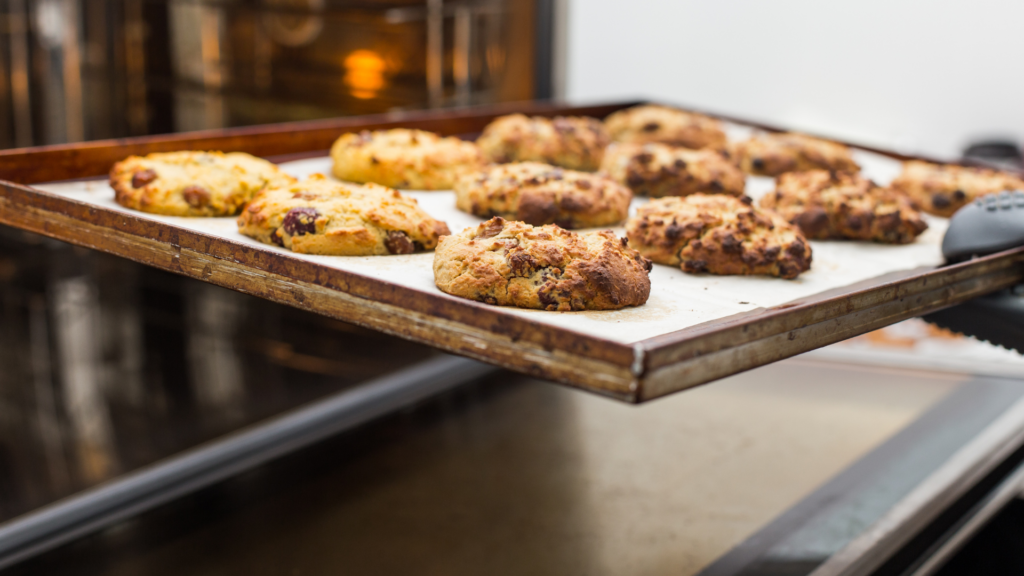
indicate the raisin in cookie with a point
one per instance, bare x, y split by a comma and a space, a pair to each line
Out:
828, 204
401, 158
718, 234
774, 154
662, 170
192, 183
571, 142
547, 268
943, 189
654, 123
318, 216
539, 194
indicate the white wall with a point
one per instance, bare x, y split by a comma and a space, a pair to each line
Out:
911, 75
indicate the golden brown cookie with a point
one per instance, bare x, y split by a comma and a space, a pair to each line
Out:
661, 170
540, 194
319, 216
778, 153
847, 205
401, 158
192, 183
942, 189
654, 123
547, 268
572, 142
718, 234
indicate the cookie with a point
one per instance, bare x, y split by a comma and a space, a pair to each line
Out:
654, 123
661, 170
192, 183
778, 153
547, 268
319, 216
572, 142
718, 234
846, 205
540, 194
400, 158
942, 189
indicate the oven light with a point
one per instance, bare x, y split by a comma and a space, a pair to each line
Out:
364, 73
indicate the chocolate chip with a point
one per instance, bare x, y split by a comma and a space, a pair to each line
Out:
634, 179
275, 237
757, 164
143, 177
695, 265
583, 184
196, 196
940, 201
674, 231
813, 221
521, 263
959, 196
732, 244
644, 157
398, 242
716, 186
651, 127
491, 228
680, 163
301, 220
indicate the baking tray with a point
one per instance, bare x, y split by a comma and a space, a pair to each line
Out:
695, 328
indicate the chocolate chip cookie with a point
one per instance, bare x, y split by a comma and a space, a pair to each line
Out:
401, 158
718, 234
540, 194
655, 123
547, 268
192, 183
573, 142
846, 205
942, 189
319, 216
778, 153
661, 170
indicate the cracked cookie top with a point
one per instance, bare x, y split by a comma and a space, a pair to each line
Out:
844, 205
573, 142
660, 170
539, 194
655, 123
545, 267
192, 183
319, 216
718, 234
942, 189
403, 158
777, 153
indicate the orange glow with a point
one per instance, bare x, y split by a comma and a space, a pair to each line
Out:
364, 73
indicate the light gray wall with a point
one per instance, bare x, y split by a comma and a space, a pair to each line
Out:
911, 75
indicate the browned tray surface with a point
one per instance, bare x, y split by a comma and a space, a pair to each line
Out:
633, 372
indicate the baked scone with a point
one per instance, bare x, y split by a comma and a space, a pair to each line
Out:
942, 189
718, 234
192, 183
573, 142
547, 268
401, 158
319, 216
828, 204
539, 194
663, 170
778, 153
655, 123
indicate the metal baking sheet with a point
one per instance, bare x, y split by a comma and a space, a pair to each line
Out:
694, 328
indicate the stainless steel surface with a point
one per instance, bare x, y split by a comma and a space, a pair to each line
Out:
137, 492
515, 476
959, 474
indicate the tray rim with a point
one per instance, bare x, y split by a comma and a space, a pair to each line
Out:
631, 372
